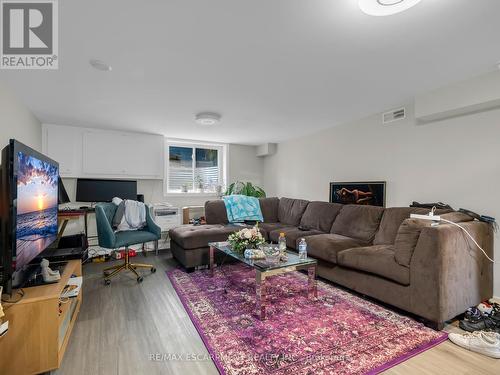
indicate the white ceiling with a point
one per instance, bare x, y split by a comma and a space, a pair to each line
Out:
274, 69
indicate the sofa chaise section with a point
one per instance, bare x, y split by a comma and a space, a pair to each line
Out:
189, 243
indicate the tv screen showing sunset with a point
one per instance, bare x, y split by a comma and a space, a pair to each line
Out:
36, 207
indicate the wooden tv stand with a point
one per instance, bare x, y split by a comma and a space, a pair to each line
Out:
39, 327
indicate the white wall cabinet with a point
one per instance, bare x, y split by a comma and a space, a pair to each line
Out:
64, 145
122, 154
84, 152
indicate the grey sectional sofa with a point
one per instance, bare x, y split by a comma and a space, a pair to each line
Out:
434, 272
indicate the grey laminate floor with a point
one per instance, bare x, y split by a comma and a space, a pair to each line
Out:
122, 325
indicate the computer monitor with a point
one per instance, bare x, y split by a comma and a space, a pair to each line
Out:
96, 190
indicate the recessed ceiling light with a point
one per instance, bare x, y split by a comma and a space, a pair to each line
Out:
100, 65
207, 118
386, 7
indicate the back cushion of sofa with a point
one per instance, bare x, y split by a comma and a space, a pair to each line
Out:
215, 212
391, 221
409, 233
320, 215
269, 208
290, 211
456, 217
407, 238
359, 222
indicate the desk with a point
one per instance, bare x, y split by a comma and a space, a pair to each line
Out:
64, 216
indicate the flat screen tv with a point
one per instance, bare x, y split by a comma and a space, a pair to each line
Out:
95, 190
29, 200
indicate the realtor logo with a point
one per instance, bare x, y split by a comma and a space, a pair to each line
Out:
29, 37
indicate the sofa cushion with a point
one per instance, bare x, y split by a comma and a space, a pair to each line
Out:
196, 236
292, 235
378, 260
290, 211
359, 222
393, 217
391, 221
215, 212
409, 233
269, 208
456, 217
326, 246
266, 228
320, 215
407, 238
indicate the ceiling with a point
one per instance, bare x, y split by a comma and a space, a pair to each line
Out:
274, 69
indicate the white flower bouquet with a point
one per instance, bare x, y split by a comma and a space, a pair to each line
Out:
248, 238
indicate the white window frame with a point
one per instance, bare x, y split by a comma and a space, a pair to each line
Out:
222, 163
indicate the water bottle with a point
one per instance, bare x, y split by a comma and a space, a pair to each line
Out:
303, 249
282, 244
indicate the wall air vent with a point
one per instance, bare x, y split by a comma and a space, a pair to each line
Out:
395, 115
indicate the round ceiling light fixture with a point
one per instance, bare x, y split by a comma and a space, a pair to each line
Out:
207, 118
386, 7
100, 65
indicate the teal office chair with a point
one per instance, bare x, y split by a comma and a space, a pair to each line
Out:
104, 213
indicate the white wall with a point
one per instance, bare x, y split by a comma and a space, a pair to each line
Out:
456, 161
472, 95
244, 165
16, 121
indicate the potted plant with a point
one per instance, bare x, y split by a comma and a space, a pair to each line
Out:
198, 182
245, 188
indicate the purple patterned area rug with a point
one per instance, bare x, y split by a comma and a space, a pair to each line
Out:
338, 333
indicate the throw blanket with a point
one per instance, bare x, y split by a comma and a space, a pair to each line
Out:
240, 208
130, 215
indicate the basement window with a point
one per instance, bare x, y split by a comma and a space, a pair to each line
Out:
194, 168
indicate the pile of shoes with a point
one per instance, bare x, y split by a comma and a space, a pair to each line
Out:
484, 317
482, 324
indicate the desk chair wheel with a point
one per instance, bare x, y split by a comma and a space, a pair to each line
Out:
107, 281
139, 279
153, 270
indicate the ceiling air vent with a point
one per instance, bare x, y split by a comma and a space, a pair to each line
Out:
395, 115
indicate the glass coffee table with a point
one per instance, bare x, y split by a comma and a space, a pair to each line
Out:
265, 268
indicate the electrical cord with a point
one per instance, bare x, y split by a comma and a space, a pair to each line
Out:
94, 251
470, 236
64, 300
